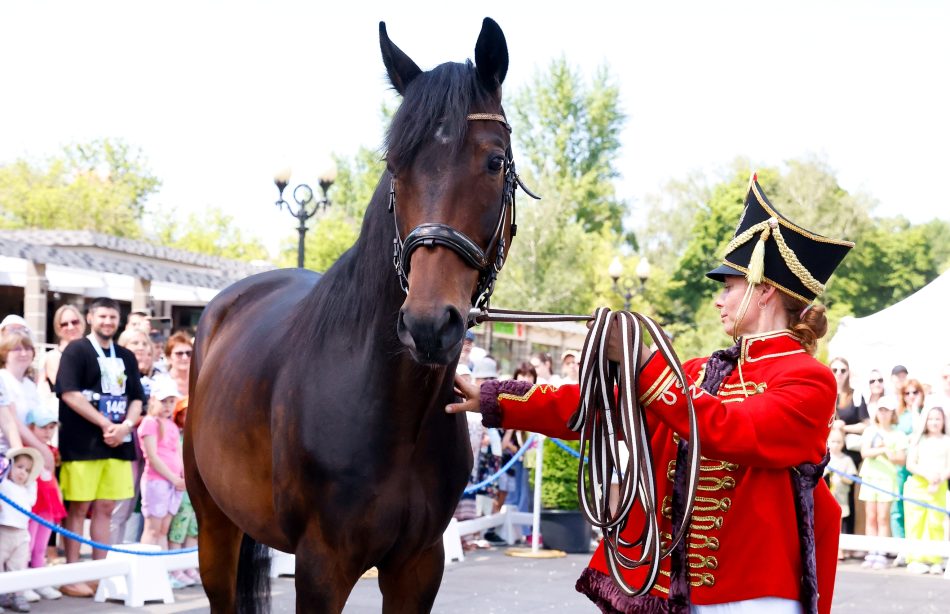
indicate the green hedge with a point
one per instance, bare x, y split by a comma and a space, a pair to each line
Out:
559, 482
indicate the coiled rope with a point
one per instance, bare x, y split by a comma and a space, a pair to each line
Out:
609, 411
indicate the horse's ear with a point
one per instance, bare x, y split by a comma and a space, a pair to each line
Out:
400, 66
491, 55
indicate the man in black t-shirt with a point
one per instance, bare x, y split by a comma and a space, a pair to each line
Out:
100, 401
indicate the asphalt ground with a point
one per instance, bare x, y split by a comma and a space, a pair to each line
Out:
489, 582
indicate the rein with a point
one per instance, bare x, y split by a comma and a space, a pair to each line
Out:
609, 411
434, 233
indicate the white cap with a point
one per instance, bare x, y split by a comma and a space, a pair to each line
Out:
887, 401
163, 388
485, 368
15, 320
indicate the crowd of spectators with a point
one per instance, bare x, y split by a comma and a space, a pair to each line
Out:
90, 437
890, 462
494, 448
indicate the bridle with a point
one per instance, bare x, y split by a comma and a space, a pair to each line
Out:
430, 234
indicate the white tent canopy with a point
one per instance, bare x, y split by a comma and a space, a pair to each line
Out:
914, 332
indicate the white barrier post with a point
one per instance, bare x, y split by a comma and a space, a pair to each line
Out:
147, 579
536, 520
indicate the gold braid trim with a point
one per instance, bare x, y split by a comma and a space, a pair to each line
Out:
795, 265
791, 260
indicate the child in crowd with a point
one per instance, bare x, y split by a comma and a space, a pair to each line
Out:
20, 487
841, 486
928, 462
884, 448
162, 482
43, 422
183, 531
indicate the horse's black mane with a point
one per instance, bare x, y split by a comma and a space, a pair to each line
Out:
363, 280
441, 97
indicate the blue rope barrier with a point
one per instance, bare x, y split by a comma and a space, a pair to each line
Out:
469, 490
858, 480
566, 447
853, 478
81, 539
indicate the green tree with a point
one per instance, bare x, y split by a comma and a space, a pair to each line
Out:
100, 186
553, 260
211, 232
566, 139
892, 260
567, 135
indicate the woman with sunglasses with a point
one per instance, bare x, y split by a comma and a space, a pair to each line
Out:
851, 417
875, 389
68, 325
178, 350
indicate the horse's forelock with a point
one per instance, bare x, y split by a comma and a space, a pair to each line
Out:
439, 99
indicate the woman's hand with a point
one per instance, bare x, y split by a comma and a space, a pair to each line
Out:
470, 397
179, 484
615, 345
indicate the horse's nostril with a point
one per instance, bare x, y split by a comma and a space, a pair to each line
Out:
453, 328
432, 337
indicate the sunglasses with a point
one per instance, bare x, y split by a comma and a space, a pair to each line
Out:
906, 392
69, 323
879, 380
182, 353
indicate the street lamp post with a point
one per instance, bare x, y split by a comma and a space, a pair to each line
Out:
307, 205
628, 288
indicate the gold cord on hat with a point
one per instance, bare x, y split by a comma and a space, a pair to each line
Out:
756, 272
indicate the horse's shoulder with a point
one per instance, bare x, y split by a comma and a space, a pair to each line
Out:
257, 293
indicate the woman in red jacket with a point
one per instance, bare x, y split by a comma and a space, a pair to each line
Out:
763, 537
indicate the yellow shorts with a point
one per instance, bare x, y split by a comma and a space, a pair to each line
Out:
92, 480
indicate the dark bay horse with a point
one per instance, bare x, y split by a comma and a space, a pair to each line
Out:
316, 422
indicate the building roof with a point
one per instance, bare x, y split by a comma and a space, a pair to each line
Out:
92, 251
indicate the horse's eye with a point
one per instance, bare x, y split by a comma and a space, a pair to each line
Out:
496, 163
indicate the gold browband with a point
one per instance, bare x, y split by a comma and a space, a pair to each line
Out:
490, 117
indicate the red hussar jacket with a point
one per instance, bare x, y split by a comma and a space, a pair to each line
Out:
772, 413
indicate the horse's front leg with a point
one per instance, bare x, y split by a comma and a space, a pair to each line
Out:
411, 584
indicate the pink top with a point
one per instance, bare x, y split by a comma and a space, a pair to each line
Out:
49, 504
167, 446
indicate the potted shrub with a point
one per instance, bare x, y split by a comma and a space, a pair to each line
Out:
563, 525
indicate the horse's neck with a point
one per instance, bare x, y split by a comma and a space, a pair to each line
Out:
360, 294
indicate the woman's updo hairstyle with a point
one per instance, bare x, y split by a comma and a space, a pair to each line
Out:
809, 325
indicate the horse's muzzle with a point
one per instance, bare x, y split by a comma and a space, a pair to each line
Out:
432, 338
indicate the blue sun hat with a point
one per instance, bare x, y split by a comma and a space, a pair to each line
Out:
42, 416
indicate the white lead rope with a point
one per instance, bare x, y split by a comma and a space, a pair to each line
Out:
610, 412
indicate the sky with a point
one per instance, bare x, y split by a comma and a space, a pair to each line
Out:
221, 95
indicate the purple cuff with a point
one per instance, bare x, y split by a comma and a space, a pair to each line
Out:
490, 407
600, 589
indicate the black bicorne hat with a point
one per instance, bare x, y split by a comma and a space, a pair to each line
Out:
769, 247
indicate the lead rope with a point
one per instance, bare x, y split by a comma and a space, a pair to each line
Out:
609, 411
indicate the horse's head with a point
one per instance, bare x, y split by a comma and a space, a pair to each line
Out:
452, 197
